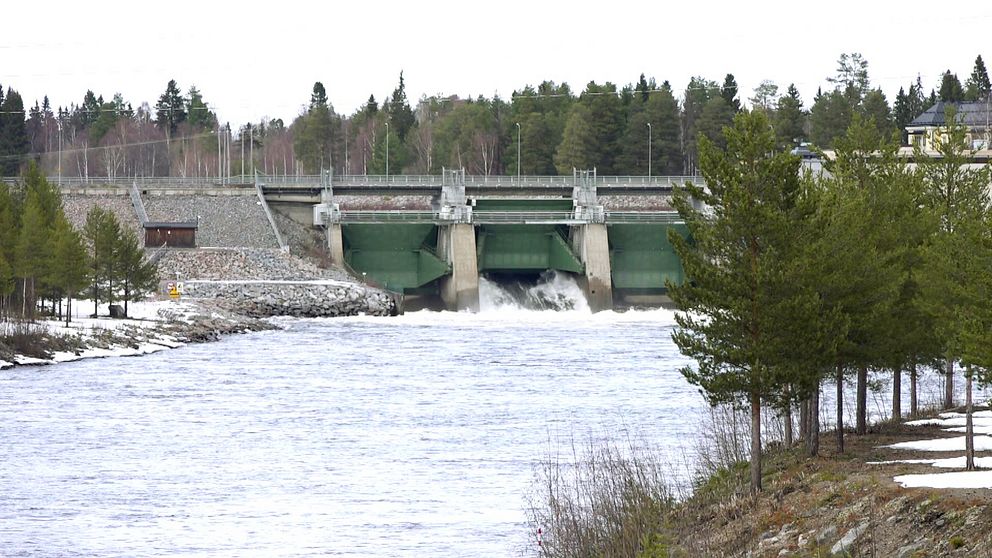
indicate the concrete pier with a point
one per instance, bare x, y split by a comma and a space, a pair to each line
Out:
456, 244
335, 244
591, 244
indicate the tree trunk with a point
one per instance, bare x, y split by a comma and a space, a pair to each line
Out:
949, 383
969, 429
840, 409
861, 424
897, 394
913, 408
68, 309
813, 436
755, 442
788, 425
804, 418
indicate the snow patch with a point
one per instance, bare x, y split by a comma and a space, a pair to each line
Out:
982, 443
960, 479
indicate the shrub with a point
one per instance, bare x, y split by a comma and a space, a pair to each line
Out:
603, 501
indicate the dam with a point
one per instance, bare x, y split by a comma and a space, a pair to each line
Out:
611, 233
429, 238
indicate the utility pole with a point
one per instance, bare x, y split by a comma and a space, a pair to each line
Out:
387, 150
649, 150
518, 152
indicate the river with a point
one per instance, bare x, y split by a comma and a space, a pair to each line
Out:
411, 436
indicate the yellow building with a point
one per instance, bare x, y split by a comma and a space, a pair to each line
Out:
975, 115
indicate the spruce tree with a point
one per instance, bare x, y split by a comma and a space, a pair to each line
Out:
790, 119
401, 117
729, 93
14, 141
170, 111
950, 88
978, 86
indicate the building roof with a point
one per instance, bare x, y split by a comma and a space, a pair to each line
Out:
974, 114
164, 225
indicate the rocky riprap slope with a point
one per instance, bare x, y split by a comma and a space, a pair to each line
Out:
76, 207
228, 221
241, 264
307, 299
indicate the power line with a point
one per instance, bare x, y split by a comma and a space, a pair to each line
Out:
32, 155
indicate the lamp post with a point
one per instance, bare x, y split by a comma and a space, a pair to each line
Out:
387, 150
59, 123
518, 152
649, 150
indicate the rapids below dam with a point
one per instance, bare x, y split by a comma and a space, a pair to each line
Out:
411, 436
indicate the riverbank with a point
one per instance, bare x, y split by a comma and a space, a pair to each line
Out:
152, 326
856, 503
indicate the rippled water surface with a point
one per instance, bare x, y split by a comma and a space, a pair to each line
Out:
408, 436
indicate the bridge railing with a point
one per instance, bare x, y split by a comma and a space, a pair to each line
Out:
647, 217
393, 180
506, 217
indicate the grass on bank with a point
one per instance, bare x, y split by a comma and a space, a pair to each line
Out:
616, 501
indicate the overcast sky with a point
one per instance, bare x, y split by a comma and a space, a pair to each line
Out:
251, 60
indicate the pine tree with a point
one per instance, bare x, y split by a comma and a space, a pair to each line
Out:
697, 94
102, 231
138, 277
746, 305
765, 96
30, 252
577, 149
69, 262
858, 269
958, 196
716, 115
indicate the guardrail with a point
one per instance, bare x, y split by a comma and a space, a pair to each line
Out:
652, 217
507, 217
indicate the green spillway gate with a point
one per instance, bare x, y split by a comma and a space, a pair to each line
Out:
642, 259
398, 256
524, 248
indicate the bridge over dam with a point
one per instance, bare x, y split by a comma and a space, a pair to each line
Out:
433, 237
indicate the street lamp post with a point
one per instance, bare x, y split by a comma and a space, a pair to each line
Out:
649, 150
59, 123
387, 150
518, 152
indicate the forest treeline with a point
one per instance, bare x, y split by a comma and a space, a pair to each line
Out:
604, 126
45, 261
874, 268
